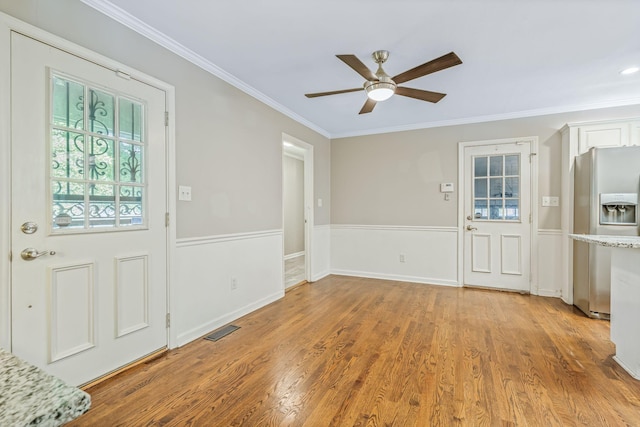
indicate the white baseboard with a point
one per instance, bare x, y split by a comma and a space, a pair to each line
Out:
320, 275
293, 255
195, 333
397, 278
555, 293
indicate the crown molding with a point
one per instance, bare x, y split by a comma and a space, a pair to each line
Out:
130, 21
123, 17
492, 117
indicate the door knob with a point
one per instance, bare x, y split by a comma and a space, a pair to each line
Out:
30, 254
471, 228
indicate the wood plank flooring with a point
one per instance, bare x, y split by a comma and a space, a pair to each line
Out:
360, 352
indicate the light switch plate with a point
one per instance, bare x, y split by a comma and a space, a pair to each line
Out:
184, 193
446, 187
550, 201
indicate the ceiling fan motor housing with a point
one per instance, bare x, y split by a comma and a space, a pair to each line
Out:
384, 87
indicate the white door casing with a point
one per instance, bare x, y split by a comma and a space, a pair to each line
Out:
496, 214
100, 301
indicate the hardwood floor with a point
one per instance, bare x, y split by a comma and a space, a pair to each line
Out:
354, 352
294, 271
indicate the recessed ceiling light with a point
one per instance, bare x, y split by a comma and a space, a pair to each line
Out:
629, 70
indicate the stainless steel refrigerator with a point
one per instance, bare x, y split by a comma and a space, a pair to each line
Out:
606, 186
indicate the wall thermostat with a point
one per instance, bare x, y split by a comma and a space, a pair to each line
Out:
446, 187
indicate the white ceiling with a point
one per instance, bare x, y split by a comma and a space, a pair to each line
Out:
520, 57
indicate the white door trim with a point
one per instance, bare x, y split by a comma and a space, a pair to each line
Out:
7, 25
308, 203
533, 140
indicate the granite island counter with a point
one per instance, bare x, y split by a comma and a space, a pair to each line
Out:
625, 297
31, 397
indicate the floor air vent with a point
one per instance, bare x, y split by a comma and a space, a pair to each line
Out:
222, 332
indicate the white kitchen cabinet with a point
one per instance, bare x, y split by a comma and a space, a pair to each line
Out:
635, 133
603, 135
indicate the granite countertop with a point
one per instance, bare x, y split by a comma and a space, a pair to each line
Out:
31, 397
631, 242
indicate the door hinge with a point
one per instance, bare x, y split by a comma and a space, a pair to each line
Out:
168, 320
166, 118
166, 219
10, 256
529, 218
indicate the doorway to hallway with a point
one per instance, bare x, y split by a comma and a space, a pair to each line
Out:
297, 187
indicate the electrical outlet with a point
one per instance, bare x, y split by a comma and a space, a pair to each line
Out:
401, 257
234, 283
550, 201
184, 193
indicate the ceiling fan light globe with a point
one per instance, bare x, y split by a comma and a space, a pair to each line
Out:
380, 91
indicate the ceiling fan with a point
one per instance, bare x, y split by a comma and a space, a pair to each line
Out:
380, 86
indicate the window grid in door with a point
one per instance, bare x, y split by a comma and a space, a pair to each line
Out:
97, 149
496, 187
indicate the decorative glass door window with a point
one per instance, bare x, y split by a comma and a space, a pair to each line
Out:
98, 145
496, 187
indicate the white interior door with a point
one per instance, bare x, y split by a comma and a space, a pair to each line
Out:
88, 214
497, 210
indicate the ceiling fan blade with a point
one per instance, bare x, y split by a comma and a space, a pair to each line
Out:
368, 106
423, 95
335, 92
357, 65
445, 61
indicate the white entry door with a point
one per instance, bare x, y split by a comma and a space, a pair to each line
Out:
497, 211
89, 289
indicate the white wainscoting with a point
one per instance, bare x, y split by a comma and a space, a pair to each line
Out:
429, 253
321, 252
206, 267
550, 279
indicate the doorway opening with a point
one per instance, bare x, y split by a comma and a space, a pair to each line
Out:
297, 212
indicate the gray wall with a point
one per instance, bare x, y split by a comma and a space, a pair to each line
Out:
228, 144
394, 179
293, 183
